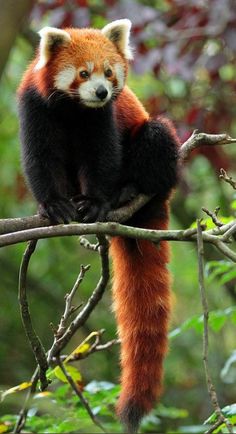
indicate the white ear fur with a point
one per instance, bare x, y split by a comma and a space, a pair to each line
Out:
119, 32
49, 37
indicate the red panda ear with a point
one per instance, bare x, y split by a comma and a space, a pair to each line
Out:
119, 32
50, 38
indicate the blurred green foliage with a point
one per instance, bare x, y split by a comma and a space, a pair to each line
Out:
56, 263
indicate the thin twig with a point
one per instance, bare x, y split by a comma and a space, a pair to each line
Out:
215, 426
228, 234
95, 347
34, 340
78, 392
213, 215
223, 175
210, 386
93, 300
69, 308
21, 420
87, 245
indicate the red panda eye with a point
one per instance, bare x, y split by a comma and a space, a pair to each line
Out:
108, 73
84, 74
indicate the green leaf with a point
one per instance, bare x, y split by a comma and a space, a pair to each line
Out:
4, 427
72, 371
233, 204
209, 223
83, 347
229, 412
196, 323
171, 412
217, 320
227, 277
227, 72
216, 268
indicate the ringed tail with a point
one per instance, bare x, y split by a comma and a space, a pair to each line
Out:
141, 292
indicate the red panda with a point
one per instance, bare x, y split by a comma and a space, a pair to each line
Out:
85, 134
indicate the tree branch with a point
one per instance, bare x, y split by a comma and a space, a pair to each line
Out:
210, 386
62, 335
94, 348
114, 229
20, 423
228, 179
78, 392
197, 140
61, 341
69, 309
213, 216
34, 340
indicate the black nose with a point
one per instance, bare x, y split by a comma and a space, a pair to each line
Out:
101, 92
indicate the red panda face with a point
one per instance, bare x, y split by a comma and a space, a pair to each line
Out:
87, 64
95, 81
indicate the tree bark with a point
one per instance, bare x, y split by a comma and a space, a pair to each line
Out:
12, 16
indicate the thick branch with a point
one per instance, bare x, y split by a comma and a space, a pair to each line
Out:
114, 229
23, 223
197, 140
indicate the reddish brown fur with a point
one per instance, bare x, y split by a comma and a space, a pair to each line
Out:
86, 45
130, 112
141, 290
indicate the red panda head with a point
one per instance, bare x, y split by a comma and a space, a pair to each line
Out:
87, 64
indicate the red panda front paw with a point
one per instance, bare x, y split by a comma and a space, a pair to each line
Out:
91, 210
58, 211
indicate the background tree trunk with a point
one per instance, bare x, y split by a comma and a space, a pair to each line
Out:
12, 16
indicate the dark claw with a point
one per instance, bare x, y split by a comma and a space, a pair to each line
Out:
90, 210
58, 211
91, 215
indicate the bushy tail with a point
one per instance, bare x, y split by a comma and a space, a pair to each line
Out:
142, 305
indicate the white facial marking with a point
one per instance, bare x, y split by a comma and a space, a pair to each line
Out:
120, 75
106, 64
90, 66
65, 78
87, 90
